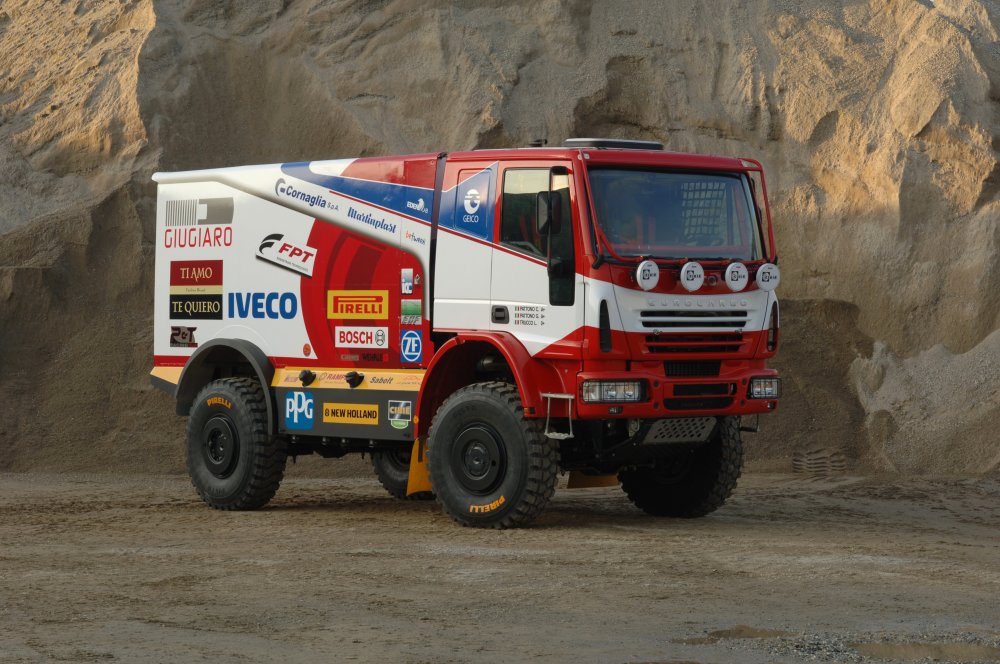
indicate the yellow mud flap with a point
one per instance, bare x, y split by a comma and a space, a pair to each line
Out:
420, 474
580, 480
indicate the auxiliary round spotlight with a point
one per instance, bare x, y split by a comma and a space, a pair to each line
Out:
768, 277
692, 276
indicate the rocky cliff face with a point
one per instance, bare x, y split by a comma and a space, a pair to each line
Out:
875, 121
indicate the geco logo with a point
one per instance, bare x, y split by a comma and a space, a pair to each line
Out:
472, 202
299, 408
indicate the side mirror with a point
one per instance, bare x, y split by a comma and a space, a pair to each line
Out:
548, 217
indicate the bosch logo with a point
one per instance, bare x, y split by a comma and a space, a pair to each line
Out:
361, 337
299, 409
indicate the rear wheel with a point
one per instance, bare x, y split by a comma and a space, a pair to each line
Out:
691, 481
393, 472
234, 463
491, 468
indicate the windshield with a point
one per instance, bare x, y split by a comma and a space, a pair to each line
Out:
668, 214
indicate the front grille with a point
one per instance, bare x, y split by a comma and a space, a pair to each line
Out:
692, 368
732, 319
699, 403
709, 342
709, 390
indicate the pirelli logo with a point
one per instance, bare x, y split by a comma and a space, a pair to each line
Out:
350, 413
357, 304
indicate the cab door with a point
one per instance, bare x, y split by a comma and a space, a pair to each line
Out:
464, 246
535, 291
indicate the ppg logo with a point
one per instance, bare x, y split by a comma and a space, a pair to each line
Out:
411, 346
299, 410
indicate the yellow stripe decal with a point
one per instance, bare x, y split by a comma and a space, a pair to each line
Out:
375, 379
169, 374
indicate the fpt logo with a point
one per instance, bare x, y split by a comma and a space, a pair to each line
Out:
297, 258
299, 410
411, 346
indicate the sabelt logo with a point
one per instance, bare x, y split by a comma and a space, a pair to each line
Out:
350, 413
357, 304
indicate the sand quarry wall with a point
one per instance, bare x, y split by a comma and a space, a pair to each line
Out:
877, 123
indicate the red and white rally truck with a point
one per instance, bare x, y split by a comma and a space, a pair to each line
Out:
476, 321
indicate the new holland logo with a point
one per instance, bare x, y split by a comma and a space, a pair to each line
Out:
350, 413
357, 304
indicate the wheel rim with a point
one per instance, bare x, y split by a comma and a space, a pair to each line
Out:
398, 459
478, 459
220, 446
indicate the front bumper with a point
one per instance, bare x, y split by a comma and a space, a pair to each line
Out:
672, 397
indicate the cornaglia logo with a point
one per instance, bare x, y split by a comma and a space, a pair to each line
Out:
282, 188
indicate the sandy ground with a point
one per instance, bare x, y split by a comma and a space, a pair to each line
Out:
101, 568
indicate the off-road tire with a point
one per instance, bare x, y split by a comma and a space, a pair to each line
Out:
692, 480
393, 472
491, 467
234, 463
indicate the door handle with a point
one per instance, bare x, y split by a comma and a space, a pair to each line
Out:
500, 314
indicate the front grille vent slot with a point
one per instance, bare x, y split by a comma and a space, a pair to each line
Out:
699, 403
694, 343
672, 318
692, 368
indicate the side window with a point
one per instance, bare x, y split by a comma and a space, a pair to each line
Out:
517, 224
518, 229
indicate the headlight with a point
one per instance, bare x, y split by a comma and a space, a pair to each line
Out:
765, 388
604, 391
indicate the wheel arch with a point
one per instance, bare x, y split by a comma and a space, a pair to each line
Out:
220, 358
454, 366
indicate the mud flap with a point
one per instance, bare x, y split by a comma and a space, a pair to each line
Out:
420, 475
580, 480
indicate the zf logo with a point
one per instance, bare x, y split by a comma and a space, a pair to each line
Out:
299, 410
411, 346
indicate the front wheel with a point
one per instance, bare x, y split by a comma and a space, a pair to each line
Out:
490, 467
234, 463
689, 481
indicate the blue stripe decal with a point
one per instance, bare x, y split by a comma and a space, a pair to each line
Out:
414, 202
468, 207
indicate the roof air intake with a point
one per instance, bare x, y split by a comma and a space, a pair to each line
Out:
615, 143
